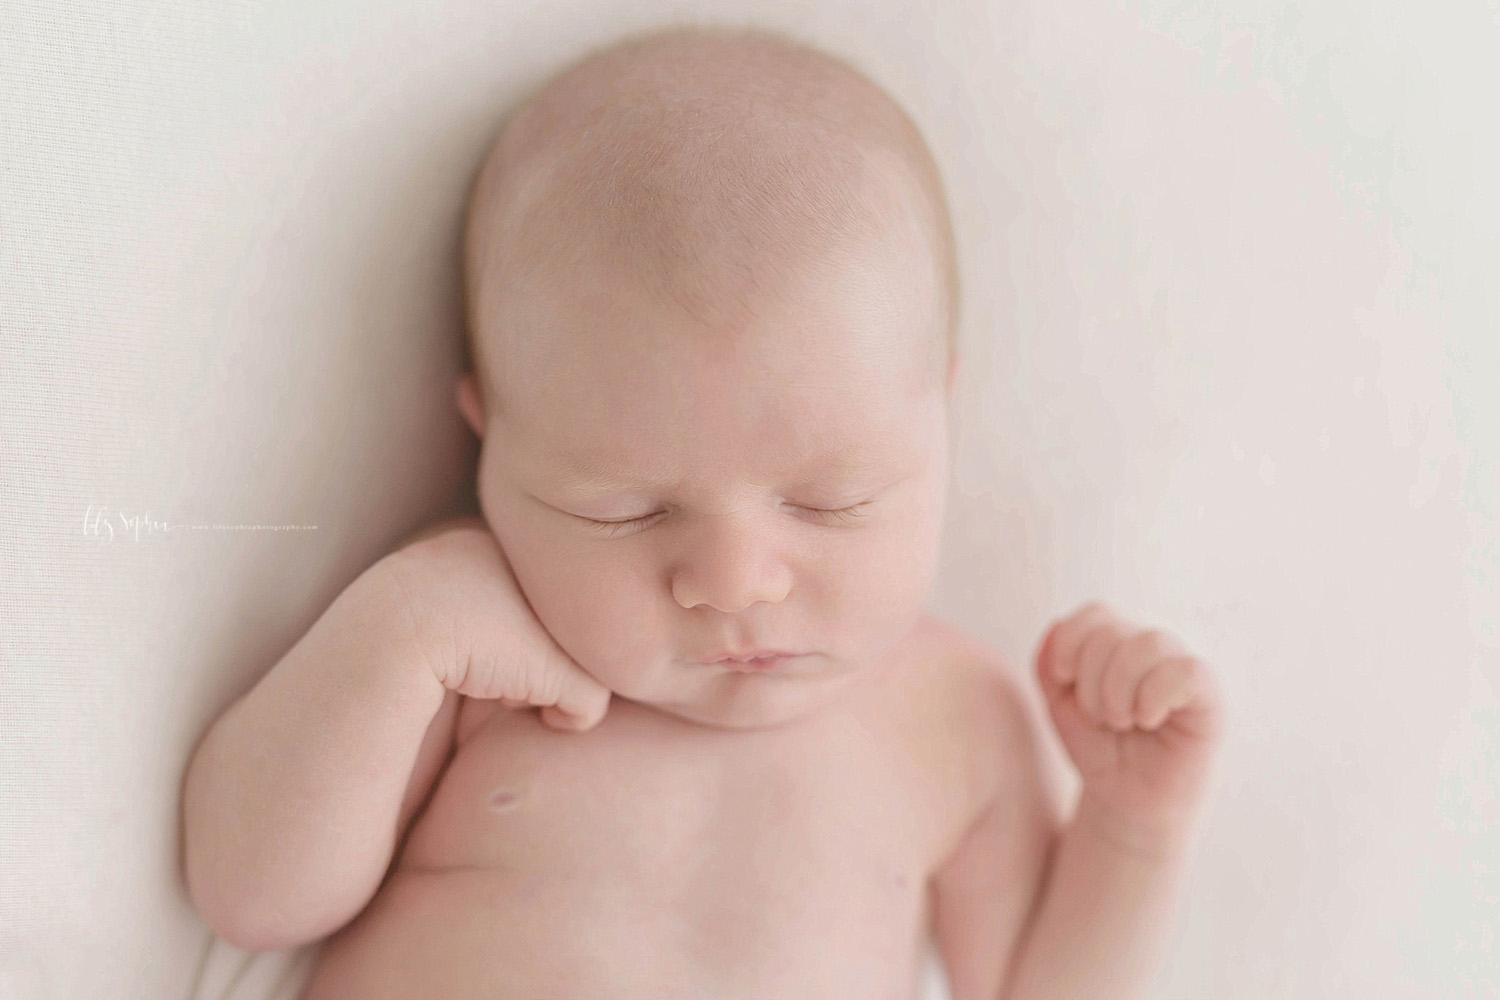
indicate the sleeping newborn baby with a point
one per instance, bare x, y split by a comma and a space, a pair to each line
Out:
670, 720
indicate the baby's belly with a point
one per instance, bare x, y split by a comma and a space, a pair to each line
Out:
616, 864
470, 933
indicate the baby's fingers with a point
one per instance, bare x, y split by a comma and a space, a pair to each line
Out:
1094, 656
1133, 659
575, 700
1058, 659
1179, 684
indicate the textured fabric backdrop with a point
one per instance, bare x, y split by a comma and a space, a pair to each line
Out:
1231, 345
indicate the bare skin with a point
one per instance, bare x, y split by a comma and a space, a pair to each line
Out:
654, 857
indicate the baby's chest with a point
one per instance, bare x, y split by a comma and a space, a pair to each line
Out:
635, 803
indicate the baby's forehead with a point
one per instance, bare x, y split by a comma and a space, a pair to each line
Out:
608, 426
599, 347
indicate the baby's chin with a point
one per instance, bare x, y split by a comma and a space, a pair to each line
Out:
741, 700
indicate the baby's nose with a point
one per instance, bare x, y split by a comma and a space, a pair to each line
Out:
731, 567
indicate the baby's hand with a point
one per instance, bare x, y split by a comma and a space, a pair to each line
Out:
486, 640
1140, 717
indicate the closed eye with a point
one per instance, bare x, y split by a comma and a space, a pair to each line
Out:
843, 515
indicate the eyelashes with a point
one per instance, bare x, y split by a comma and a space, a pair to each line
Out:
841, 515
848, 515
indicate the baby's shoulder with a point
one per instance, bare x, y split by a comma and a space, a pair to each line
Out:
972, 679
970, 698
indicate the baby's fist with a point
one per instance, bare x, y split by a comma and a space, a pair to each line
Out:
1140, 716
484, 638
1124, 676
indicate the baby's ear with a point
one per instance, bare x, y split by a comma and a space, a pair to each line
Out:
469, 403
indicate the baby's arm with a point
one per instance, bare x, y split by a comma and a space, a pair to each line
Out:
987, 889
1029, 908
296, 797
1141, 718
1104, 918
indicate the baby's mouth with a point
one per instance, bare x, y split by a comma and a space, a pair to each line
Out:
753, 664
758, 663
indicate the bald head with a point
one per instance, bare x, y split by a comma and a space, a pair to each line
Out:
720, 165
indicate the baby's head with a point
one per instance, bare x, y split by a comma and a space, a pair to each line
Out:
711, 295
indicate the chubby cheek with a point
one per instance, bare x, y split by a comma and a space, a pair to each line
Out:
881, 591
613, 624
596, 610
